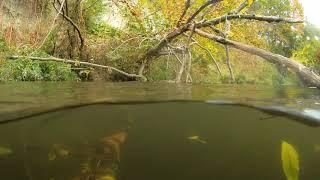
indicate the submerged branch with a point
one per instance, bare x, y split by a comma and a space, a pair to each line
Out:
81, 63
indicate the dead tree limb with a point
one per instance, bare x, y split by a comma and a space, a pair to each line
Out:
185, 10
225, 35
53, 24
76, 27
154, 52
182, 68
210, 55
201, 8
305, 74
81, 63
269, 19
188, 67
240, 8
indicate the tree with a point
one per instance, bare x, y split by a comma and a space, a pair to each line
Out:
196, 23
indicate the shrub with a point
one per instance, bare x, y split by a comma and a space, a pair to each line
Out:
29, 70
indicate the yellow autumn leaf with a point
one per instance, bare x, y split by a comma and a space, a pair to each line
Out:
197, 139
5, 151
290, 161
250, 2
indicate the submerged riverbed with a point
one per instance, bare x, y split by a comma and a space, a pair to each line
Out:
131, 131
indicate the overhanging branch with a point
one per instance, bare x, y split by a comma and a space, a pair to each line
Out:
269, 19
306, 75
81, 63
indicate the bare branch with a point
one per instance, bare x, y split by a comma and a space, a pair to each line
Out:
75, 26
186, 7
81, 63
269, 19
228, 63
201, 8
240, 8
210, 54
218, 31
52, 25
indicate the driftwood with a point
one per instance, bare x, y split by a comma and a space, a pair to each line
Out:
306, 75
81, 63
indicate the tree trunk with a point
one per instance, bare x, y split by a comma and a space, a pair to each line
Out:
306, 75
232, 78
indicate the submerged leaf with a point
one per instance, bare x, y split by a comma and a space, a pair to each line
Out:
4, 151
52, 156
290, 161
61, 150
108, 177
197, 139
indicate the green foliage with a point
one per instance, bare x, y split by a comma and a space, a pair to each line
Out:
282, 38
103, 30
92, 11
161, 70
29, 70
309, 54
50, 41
3, 45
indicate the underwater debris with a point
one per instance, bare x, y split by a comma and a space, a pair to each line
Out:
290, 161
108, 177
114, 141
103, 160
58, 150
197, 139
5, 151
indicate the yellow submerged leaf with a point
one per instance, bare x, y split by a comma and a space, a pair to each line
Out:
290, 161
108, 177
197, 139
250, 2
4, 151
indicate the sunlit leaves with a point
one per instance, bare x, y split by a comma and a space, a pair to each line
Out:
290, 161
250, 2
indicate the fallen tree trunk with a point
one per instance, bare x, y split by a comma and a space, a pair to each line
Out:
81, 63
305, 74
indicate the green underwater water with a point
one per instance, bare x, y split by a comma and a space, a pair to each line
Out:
237, 143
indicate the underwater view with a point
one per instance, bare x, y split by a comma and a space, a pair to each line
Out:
184, 136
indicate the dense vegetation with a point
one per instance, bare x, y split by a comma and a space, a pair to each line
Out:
123, 35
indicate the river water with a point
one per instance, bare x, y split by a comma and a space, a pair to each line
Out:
136, 131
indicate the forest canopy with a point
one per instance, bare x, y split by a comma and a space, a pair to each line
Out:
208, 41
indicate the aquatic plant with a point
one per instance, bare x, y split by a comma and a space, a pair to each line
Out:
290, 161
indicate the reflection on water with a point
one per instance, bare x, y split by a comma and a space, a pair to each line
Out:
173, 140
